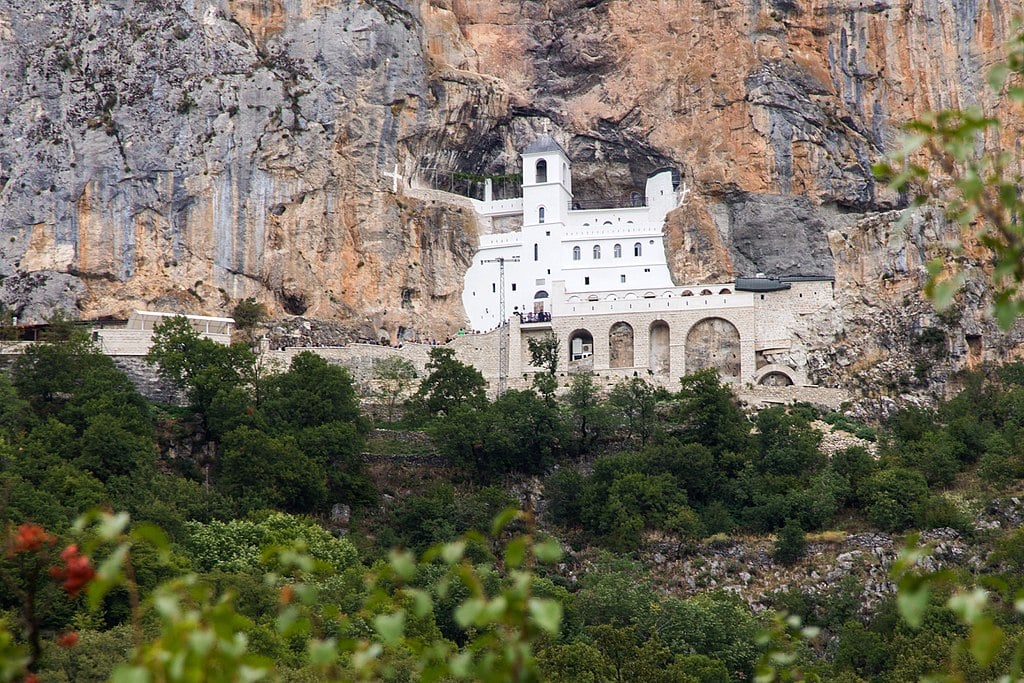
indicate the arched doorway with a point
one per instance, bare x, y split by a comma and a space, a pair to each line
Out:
581, 350
776, 378
660, 363
620, 345
714, 343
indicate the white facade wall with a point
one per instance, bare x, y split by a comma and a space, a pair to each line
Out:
542, 253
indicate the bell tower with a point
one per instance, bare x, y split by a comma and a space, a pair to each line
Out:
547, 183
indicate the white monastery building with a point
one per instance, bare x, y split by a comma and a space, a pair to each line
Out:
588, 250
598, 279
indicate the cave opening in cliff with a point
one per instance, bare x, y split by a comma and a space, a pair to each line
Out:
294, 304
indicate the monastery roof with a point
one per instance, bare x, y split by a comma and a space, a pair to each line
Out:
545, 143
163, 314
760, 284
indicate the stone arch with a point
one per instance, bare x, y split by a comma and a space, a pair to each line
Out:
714, 343
705, 292
581, 349
776, 378
660, 345
725, 290
776, 375
686, 292
542, 171
620, 345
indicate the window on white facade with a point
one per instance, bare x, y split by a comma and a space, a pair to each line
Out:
638, 249
494, 287
622, 279
597, 251
535, 251
618, 251
575, 253
540, 215
586, 280
542, 171
513, 286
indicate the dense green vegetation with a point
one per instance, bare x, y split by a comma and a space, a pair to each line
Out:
239, 480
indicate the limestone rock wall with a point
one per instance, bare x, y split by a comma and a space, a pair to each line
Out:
187, 155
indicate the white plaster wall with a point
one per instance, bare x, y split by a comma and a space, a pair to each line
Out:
552, 260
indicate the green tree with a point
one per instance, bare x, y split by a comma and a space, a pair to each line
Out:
544, 352
705, 412
715, 625
787, 444
449, 385
791, 543
107, 449
261, 471
855, 465
394, 376
73, 380
520, 432
311, 393
199, 366
248, 313
895, 498
999, 465
632, 402
337, 448
589, 419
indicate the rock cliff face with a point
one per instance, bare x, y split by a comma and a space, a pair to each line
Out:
187, 155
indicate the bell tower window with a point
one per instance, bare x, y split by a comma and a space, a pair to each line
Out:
638, 249
540, 215
597, 252
575, 253
542, 171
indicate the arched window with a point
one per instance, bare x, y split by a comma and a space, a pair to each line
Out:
542, 171
597, 251
575, 253
536, 251
540, 215
618, 251
638, 249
